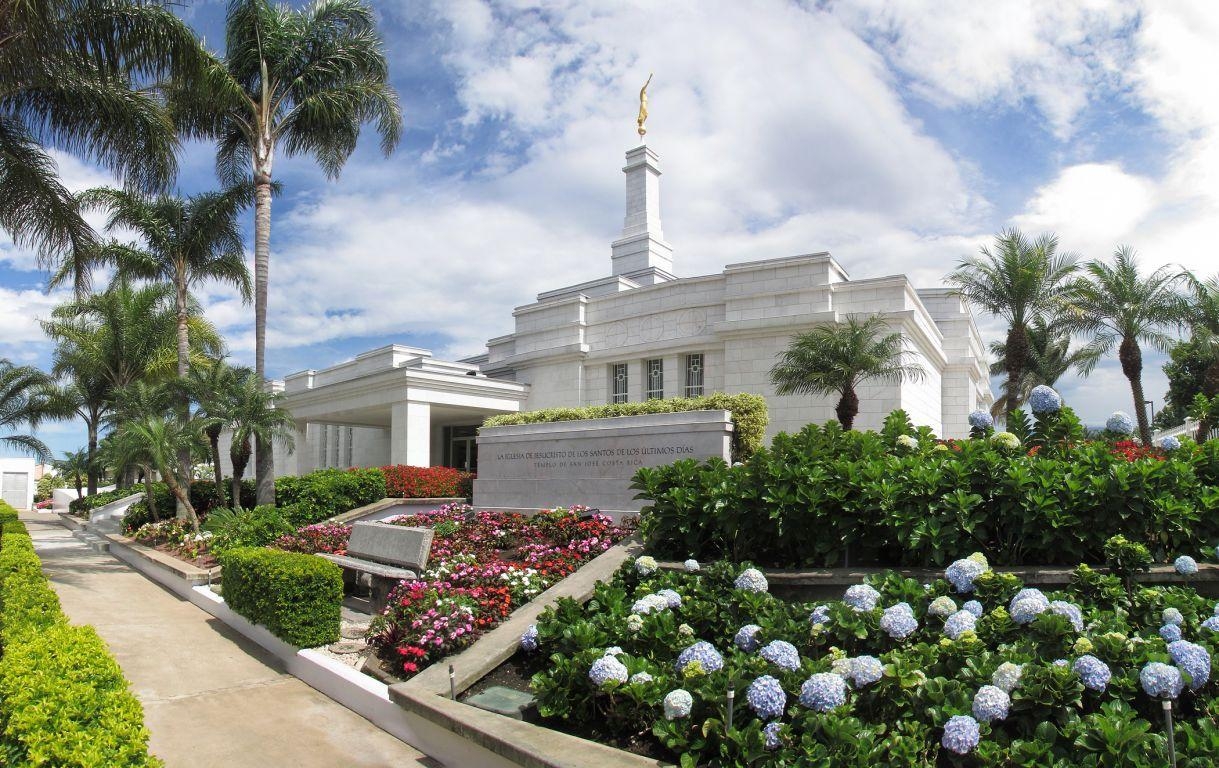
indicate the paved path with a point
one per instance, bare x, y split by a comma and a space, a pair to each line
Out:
211, 697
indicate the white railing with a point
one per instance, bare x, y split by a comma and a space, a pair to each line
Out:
1188, 429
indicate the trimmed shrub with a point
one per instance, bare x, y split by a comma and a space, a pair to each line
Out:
319, 495
297, 597
203, 498
749, 415
63, 698
406, 482
821, 496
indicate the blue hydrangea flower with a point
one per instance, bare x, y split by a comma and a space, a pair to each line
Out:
702, 652
607, 669
820, 615
942, 607
1093, 672
1170, 632
782, 654
773, 737
529, 640
1193, 659
1161, 681
646, 565
981, 419
1212, 623
672, 598
865, 670
861, 597
898, 622
1044, 399
613, 650
1027, 605
991, 703
678, 703
961, 574
766, 697
1120, 423
961, 734
650, 604
747, 638
640, 678
1007, 676
959, 623
1172, 616
974, 607
751, 580
1185, 565
824, 691
1071, 611
1060, 663
691, 566
1169, 444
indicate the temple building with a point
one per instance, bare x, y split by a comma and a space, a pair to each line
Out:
641, 332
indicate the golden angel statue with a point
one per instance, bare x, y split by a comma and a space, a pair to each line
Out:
643, 107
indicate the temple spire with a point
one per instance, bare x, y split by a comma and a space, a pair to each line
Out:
641, 253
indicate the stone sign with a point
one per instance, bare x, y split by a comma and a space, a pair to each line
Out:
539, 466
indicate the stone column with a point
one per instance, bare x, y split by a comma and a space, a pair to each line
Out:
410, 438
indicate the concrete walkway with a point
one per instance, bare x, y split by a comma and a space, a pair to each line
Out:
211, 697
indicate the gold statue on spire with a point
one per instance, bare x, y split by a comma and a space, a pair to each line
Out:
643, 107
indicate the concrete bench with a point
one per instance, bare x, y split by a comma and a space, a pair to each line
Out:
387, 553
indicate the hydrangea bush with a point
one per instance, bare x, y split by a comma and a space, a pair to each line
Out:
885, 680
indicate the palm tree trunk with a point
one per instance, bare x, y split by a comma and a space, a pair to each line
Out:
240, 456
1210, 388
848, 407
264, 460
149, 497
91, 452
1131, 358
213, 439
1016, 351
183, 500
184, 461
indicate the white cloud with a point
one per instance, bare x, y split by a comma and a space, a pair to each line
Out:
1093, 208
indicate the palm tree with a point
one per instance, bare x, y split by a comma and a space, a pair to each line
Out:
1116, 305
25, 402
186, 242
1050, 357
75, 465
256, 416
1202, 315
138, 402
159, 442
1020, 281
296, 83
86, 395
834, 359
70, 72
214, 386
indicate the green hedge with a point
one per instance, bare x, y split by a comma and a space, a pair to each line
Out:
203, 497
317, 496
823, 496
297, 597
63, 698
749, 415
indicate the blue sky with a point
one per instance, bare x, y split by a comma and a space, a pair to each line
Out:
897, 138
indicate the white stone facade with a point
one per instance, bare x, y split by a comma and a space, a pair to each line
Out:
639, 333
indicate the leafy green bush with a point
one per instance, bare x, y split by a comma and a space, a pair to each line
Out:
823, 497
319, 495
255, 527
911, 674
297, 597
85, 504
749, 415
203, 497
63, 698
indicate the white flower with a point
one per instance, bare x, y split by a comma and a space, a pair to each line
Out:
751, 580
678, 703
691, 566
646, 565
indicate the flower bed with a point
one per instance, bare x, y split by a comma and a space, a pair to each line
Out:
483, 565
895, 673
175, 537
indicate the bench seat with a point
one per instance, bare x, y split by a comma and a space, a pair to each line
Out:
368, 566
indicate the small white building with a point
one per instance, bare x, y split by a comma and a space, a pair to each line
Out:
639, 333
17, 482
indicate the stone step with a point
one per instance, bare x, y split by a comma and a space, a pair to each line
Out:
508, 702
